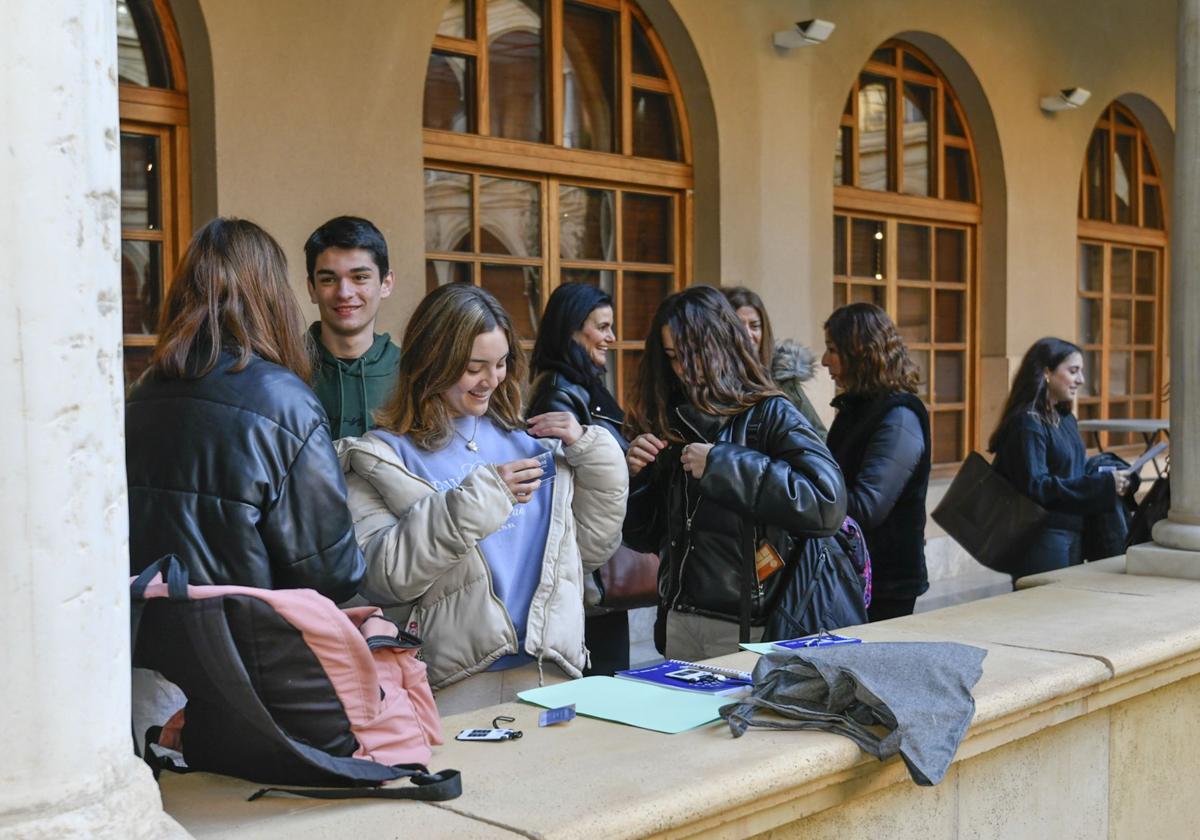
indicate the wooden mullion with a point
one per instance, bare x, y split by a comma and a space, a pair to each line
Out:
451, 256
939, 141
587, 265
554, 64
854, 118
650, 83
860, 201
875, 68
610, 5
1126, 235
476, 225
483, 110
625, 78
508, 259
455, 46
551, 239
139, 339
144, 235
684, 278
649, 268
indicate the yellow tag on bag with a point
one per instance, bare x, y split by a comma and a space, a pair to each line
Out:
766, 560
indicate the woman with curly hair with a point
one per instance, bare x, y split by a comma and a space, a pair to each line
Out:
880, 439
724, 471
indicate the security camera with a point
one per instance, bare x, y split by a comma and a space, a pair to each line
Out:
1065, 100
804, 34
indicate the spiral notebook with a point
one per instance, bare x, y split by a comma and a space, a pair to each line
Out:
691, 677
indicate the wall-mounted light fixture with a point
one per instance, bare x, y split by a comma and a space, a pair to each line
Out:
805, 33
1065, 100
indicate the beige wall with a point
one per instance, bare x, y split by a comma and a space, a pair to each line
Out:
318, 109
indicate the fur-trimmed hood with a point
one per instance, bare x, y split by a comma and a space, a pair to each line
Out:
792, 361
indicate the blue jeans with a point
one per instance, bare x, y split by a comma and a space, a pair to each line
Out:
1055, 548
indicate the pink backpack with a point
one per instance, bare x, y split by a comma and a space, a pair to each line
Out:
283, 687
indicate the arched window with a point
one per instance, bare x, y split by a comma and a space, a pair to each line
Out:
155, 212
557, 150
1122, 255
906, 218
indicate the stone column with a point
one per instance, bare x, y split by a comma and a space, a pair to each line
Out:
68, 768
1175, 551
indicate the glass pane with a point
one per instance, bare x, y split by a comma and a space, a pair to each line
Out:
441, 272
1152, 215
1147, 273
641, 294
1124, 179
911, 62
947, 434
1121, 272
645, 61
954, 126
950, 376
589, 78
1119, 319
912, 315
839, 295
631, 360
1088, 411
647, 228
1143, 372
519, 290
449, 93
839, 246
867, 257
586, 224
1091, 268
137, 359
862, 293
950, 316
874, 96
951, 255
139, 182
141, 286
1097, 175
841, 153
141, 59
457, 20
1122, 119
447, 211
958, 179
1118, 373
884, 55
1118, 411
655, 126
921, 359
1143, 322
1091, 374
604, 280
1148, 167
509, 218
515, 79
1141, 409
1090, 310
918, 139
914, 252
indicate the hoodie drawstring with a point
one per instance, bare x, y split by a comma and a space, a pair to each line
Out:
341, 400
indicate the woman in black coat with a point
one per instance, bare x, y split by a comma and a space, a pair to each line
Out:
725, 472
1039, 450
567, 367
880, 439
227, 451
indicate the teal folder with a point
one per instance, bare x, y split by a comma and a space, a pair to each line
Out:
630, 702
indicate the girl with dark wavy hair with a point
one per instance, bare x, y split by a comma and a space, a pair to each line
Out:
1039, 450
479, 525
880, 439
727, 475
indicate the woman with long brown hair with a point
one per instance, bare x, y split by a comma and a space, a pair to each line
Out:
790, 364
228, 453
725, 470
478, 526
880, 439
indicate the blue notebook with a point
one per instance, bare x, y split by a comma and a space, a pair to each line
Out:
688, 676
820, 640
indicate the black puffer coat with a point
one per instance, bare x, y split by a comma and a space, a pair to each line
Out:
554, 391
236, 474
768, 476
882, 446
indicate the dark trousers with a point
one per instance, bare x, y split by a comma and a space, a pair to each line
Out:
882, 609
1055, 548
607, 638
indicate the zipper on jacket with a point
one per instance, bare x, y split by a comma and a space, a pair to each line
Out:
688, 517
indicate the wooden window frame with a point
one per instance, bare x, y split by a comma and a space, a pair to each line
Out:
893, 208
552, 165
1117, 120
163, 114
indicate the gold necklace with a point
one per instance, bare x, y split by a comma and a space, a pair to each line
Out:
471, 444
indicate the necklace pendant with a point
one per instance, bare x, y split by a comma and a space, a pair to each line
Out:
473, 446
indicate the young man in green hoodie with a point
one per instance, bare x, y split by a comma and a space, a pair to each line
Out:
348, 277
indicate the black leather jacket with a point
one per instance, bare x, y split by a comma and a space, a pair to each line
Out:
236, 474
768, 476
552, 391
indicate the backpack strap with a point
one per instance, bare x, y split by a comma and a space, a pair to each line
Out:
427, 787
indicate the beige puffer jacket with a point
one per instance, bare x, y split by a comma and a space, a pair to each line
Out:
422, 556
